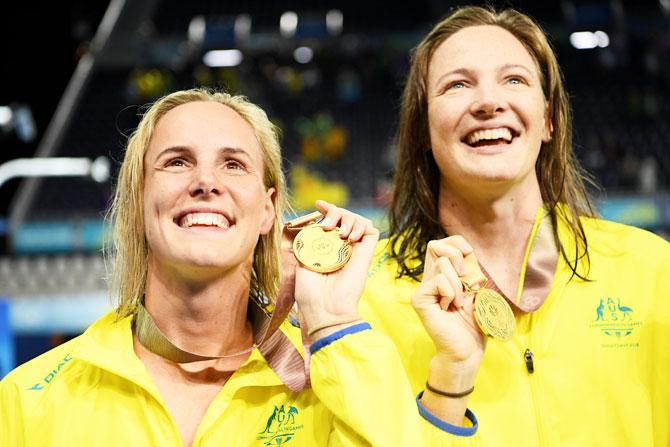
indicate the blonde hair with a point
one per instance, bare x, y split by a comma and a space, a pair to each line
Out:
130, 250
414, 209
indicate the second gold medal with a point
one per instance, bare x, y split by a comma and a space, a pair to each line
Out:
493, 314
320, 250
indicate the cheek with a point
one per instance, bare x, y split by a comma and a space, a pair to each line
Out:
158, 198
437, 118
157, 205
536, 112
444, 160
443, 119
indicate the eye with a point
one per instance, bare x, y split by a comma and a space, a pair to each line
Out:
456, 85
176, 162
516, 80
234, 164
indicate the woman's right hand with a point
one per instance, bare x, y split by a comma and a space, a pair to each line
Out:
447, 313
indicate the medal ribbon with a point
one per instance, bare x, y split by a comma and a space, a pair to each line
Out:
280, 353
538, 270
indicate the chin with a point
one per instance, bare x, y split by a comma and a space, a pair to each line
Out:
488, 175
211, 261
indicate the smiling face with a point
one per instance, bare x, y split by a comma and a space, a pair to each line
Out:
486, 110
205, 204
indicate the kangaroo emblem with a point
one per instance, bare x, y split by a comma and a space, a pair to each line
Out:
599, 310
271, 419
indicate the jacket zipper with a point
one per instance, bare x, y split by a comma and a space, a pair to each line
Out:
529, 360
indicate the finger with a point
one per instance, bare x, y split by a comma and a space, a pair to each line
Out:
332, 214
467, 312
470, 323
438, 248
363, 250
446, 293
442, 248
323, 206
361, 227
347, 223
451, 257
431, 256
436, 291
447, 248
461, 243
445, 303
445, 267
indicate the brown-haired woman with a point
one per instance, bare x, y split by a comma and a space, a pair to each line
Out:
486, 166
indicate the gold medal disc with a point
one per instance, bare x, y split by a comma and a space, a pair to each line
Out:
493, 315
321, 251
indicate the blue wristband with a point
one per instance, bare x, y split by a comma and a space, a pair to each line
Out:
328, 339
445, 426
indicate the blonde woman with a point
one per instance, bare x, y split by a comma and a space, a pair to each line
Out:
190, 357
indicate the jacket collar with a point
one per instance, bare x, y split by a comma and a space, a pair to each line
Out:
108, 345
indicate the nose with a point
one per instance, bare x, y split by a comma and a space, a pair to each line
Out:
487, 102
205, 182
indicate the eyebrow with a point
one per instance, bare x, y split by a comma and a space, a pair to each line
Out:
511, 66
468, 72
177, 150
459, 71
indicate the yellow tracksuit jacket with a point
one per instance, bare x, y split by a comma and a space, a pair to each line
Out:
601, 349
94, 391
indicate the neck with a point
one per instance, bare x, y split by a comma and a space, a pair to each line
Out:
205, 317
495, 225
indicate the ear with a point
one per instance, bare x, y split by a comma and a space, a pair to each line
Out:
268, 211
548, 128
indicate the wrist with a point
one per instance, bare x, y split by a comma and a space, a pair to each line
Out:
326, 340
451, 377
450, 394
317, 329
448, 409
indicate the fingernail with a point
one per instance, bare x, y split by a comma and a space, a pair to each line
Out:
460, 269
327, 222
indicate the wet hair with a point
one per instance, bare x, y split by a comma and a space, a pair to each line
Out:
413, 214
130, 249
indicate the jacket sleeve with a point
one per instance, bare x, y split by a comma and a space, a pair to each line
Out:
11, 415
660, 354
358, 375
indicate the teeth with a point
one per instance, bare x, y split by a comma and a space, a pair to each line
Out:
490, 134
209, 219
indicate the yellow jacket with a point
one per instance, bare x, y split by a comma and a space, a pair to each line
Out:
94, 390
601, 349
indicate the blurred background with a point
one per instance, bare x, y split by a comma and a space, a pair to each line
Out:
329, 73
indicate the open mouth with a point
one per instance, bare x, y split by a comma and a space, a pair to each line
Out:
490, 137
211, 220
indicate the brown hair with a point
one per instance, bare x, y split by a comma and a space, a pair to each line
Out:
414, 216
130, 248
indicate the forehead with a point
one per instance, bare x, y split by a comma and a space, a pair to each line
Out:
204, 124
479, 48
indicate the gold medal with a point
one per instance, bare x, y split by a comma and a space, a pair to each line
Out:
320, 250
493, 315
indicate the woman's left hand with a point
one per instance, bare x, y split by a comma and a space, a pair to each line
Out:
330, 300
